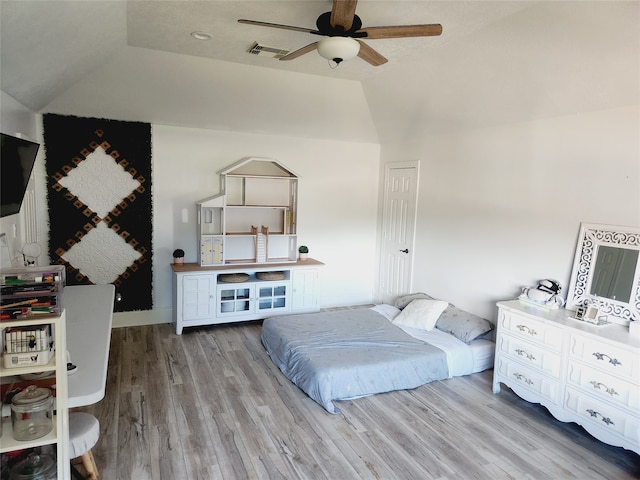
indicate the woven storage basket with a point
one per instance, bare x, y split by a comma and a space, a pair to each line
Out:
270, 275
233, 277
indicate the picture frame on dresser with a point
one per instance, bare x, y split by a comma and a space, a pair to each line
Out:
591, 315
580, 311
606, 272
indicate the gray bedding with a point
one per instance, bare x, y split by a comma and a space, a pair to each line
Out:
349, 353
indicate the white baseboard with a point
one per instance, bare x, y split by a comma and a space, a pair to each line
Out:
142, 317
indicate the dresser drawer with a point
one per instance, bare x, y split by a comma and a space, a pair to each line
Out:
603, 415
532, 330
603, 356
516, 374
530, 354
608, 388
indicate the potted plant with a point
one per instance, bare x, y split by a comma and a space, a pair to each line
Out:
303, 250
178, 255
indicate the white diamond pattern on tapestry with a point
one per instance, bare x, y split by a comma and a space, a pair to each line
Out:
99, 182
101, 255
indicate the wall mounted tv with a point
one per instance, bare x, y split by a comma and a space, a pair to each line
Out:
17, 157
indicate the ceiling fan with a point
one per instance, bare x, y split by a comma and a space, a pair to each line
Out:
342, 30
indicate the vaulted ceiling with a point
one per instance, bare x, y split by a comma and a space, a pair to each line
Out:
496, 62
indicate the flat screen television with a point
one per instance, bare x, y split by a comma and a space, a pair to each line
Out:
17, 157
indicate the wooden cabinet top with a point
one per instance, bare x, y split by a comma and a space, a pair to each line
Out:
194, 267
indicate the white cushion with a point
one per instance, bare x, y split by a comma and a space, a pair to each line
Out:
84, 433
421, 313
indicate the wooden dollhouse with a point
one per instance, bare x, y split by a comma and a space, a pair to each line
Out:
253, 219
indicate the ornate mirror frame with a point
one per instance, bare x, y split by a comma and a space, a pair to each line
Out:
591, 237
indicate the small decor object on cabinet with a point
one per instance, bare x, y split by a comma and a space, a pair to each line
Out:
233, 277
592, 315
271, 275
545, 294
178, 255
304, 252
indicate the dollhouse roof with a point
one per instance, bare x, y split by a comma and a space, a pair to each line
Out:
258, 167
247, 167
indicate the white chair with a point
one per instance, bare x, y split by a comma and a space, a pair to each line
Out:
84, 432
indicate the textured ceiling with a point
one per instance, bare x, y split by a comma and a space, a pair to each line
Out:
495, 62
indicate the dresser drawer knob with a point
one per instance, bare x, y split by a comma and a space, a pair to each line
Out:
612, 361
597, 386
523, 353
521, 377
524, 328
595, 414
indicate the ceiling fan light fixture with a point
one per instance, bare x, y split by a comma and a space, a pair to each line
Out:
338, 49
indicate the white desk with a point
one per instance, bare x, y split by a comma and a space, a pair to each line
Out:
89, 316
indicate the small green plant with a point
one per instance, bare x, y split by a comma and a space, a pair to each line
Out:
303, 249
178, 253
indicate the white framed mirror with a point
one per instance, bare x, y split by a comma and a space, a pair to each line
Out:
606, 271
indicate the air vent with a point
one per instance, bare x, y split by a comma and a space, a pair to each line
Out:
274, 52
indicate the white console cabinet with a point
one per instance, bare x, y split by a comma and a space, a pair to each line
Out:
203, 297
580, 372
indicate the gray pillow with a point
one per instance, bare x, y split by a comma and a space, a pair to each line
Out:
463, 325
405, 300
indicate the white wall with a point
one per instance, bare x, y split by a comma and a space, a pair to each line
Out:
337, 201
500, 207
336, 209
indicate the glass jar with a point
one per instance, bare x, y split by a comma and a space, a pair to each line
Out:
32, 413
35, 467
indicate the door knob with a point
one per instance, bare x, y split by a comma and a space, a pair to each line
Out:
406, 250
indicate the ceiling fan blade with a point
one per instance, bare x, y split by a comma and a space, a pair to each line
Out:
368, 54
300, 51
400, 31
342, 13
277, 25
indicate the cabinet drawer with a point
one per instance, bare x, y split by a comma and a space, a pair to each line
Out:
532, 330
536, 382
611, 359
607, 387
603, 415
530, 354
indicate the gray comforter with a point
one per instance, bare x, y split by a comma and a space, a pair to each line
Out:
349, 353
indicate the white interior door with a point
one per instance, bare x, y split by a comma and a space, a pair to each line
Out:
398, 228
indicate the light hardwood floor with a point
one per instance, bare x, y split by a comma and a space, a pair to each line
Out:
210, 404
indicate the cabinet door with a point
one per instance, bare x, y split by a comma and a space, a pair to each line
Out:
235, 300
198, 297
272, 297
304, 289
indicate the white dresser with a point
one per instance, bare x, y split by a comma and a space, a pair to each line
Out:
581, 373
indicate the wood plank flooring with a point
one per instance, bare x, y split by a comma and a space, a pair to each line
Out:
210, 404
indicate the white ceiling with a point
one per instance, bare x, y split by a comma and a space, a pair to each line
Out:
495, 62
